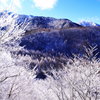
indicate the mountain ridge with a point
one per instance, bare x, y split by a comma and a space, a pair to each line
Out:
34, 22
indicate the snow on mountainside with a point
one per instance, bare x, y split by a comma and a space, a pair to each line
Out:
36, 22
87, 23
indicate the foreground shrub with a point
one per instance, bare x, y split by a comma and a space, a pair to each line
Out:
79, 79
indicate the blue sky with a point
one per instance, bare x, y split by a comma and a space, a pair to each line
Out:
75, 10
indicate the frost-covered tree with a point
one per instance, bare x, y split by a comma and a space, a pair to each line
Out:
9, 28
79, 80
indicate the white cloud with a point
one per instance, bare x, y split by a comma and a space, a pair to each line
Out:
12, 5
45, 4
17, 3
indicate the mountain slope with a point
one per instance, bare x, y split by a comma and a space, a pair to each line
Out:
55, 36
66, 41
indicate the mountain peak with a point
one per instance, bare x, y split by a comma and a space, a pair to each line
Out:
87, 23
